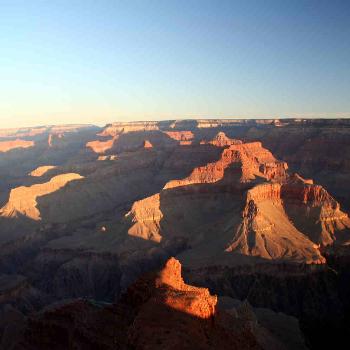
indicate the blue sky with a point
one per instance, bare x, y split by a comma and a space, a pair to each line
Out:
102, 61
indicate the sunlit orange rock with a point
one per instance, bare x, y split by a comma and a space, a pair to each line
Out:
147, 144
158, 311
23, 199
6, 146
252, 159
41, 170
101, 146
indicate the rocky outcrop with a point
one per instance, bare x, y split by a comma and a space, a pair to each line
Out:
41, 170
215, 205
101, 146
221, 140
109, 157
266, 231
314, 211
158, 311
147, 144
56, 139
23, 200
268, 226
145, 216
6, 146
250, 160
184, 136
198, 303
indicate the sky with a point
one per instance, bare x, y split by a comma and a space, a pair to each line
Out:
103, 61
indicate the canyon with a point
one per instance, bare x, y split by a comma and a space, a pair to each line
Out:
255, 213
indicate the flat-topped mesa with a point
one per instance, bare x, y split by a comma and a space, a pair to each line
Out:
223, 123
41, 170
125, 127
315, 211
101, 146
22, 132
23, 200
221, 140
6, 146
250, 159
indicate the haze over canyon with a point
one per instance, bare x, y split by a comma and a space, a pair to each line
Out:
179, 234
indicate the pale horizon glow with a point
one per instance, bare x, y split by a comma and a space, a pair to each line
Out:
89, 62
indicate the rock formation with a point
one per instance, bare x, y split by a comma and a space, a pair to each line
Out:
101, 146
23, 200
158, 311
147, 144
267, 232
252, 161
125, 127
185, 135
41, 170
6, 146
275, 222
314, 211
221, 140
240, 220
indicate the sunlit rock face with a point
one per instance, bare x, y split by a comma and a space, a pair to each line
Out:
147, 144
6, 146
158, 311
265, 217
41, 170
86, 210
101, 146
23, 200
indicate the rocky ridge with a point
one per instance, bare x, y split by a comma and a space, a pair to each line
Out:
23, 200
6, 146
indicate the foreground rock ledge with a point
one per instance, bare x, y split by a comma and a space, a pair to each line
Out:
159, 311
